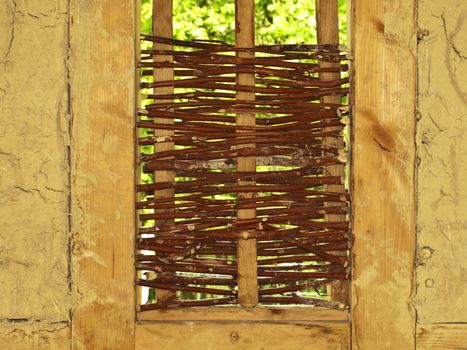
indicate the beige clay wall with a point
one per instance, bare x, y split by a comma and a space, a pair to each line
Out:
34, 266
442, 151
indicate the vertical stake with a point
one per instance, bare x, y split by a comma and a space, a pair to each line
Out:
246, 251
162, 25
327, 22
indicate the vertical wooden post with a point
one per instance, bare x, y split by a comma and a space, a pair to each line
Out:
138, 167
383, 181
327, 20
246, 251
102, 184
162, 25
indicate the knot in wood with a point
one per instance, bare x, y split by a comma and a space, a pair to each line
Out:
234, 337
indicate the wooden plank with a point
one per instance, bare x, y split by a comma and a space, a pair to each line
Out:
384, 45
195, 336
247, 264
103, 104
162, 25
237, 314
442, 336
327, 22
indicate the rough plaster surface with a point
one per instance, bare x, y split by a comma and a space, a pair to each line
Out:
34, 277
442, 148
34, 169
34, 336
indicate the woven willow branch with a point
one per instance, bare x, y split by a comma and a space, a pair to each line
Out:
189, 241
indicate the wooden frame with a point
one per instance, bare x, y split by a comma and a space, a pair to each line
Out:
384, 205
242, 335
257, 314
383, 174
102, 44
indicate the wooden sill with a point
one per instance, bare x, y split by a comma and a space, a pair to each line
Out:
234, 314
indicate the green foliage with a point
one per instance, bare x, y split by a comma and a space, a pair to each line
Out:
277, 21
146, 13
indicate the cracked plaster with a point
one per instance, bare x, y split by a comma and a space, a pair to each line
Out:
34, 265
33, 163
442, 151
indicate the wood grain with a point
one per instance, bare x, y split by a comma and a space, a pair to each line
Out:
213, 336
237, 314
102, 151
327, 22
138, 97
442, 336
384, 45
163, 26
247, 255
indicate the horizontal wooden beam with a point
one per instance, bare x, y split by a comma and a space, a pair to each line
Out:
442, 336
201, 336
237, 314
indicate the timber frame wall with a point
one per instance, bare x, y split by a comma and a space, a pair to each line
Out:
384, 206
98, 59
383, 180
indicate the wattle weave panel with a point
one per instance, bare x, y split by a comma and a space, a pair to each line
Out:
189, 241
